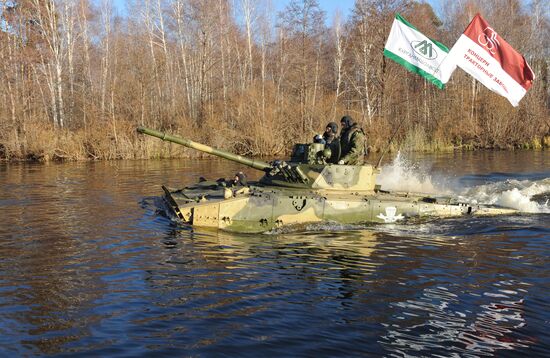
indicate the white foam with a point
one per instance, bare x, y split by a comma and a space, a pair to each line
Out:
516, 200
510, 193
403, 175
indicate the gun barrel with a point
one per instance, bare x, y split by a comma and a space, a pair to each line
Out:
253, 163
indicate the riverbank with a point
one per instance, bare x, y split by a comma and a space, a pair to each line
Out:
41, 143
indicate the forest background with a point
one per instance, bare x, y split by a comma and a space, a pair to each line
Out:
77, 78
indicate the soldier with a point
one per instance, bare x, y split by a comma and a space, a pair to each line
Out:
331, 133
332, 141
239, 180
352, 142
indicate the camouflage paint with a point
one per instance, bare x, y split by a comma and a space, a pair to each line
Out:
306, 190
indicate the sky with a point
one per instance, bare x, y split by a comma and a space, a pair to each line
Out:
345, 6
329, 6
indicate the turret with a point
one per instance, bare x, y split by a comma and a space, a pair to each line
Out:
307, 168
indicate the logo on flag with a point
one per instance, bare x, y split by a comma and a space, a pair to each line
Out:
489, 40
417, 53
482, 53
424, 49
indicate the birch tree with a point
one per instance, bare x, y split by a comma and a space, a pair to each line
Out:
53, 58
304, 22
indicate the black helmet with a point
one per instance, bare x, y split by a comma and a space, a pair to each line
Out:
333, 127
347, 121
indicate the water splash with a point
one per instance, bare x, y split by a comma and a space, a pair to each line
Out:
404, 175
516, 194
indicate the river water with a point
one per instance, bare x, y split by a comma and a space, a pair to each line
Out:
91, 265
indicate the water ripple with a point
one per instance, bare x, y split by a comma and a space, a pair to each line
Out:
89, 265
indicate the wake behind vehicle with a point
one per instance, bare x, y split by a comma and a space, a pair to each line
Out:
304, 190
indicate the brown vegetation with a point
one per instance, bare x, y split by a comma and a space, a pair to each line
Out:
76, 79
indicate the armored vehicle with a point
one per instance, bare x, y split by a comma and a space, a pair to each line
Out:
303, 190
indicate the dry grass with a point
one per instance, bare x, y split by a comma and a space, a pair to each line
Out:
243, 132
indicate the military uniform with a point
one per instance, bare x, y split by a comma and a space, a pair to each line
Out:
332, 141
329, 138
352, 144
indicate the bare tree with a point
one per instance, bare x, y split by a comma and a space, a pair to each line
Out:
338, 58
53, 59
304, 23
75, 78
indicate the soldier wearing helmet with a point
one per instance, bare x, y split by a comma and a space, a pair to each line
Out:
332, 141
331, 132
352, 142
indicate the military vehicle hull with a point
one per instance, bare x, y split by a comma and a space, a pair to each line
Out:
305, 190
258, 208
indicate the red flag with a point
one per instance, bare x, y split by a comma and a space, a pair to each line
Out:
481, 52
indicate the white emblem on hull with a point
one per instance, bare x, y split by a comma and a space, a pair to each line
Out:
390, 216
